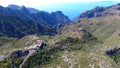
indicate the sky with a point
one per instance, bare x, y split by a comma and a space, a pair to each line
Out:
71, 8
41, 3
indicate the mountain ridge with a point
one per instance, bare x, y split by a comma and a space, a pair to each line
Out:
93, 41
41, 16
16, 7
113, 10
42, 20
15, 27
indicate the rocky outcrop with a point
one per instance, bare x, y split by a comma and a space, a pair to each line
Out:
102, 12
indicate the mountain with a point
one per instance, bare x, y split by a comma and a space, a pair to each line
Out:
37, 23
104, 53
11, 26
53, 19
16, 7
13, 6
24, 9
41, 16
103, 23
90, 42
67, 8
102, 12
73, 39
82, 44
74, 47
60, 17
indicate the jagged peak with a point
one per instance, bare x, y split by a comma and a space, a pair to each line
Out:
24, 9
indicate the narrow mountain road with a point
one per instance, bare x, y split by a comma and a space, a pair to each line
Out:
32, 49
30, 54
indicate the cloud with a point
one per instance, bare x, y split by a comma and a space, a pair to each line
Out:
36, 3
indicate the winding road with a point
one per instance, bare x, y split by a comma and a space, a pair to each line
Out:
25, 59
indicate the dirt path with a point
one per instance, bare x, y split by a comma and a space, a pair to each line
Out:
32, 50
25, 59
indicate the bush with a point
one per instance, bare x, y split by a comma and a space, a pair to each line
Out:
6, 64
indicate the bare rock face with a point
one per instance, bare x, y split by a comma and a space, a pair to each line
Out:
102, 12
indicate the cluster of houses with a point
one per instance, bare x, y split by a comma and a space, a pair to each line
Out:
39, 44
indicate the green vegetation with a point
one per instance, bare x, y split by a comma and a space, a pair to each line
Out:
5, 64
11, 26
51, 54
70, 48
107, 30
6, 40
115, 55
11, 44
77, 44
17, 57
103, 27
41, 58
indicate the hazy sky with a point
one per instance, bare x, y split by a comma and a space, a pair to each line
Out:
38, 3
66, 6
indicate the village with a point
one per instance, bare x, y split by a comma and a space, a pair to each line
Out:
39, 44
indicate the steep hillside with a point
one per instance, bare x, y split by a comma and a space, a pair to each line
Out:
105, 53
69, 52
74, 40
16, 7
21, 22
93, 41
58, 15
103, 27
102, 12
15, 27
50, 19
107, 30
74, 47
